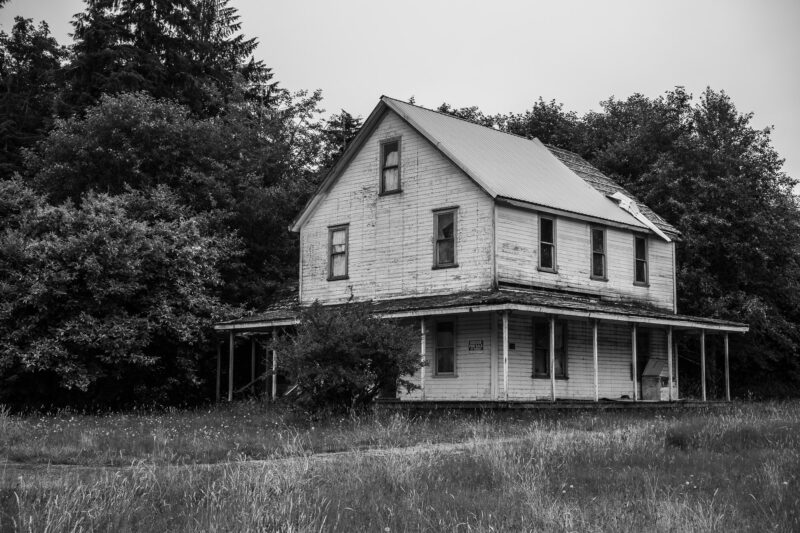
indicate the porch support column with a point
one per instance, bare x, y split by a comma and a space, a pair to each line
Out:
219, 366
253, 365
422, 355
274, 369
669, 363
552, 359
727, 372
633, 364
505, 355
231, 341
266, 370
493, 357
677, 371
594, 352
703, 362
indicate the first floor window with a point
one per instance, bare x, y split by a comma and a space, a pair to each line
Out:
547, 243
445, 230
598, 253
640, 260
445, 348
337, 252
541, 348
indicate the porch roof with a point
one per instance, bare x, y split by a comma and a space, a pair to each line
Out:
539, 301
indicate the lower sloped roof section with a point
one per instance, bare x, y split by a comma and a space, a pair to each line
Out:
538, 301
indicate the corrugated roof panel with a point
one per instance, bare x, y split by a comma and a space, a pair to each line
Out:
511, 166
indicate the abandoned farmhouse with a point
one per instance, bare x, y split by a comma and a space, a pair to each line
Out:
530, 275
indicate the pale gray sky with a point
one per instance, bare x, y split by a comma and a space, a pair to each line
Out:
502, 55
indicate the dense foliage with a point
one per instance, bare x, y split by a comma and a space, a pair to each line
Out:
344, 357
149, 171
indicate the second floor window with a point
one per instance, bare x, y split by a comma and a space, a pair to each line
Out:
390, 167
445, 232
640, 260
337, 252
547, 244
598, 253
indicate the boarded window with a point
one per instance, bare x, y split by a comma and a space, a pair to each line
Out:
640, 260
337, 246
598, 253
390, 167
445, 253
547, 243
541, 348
445, 348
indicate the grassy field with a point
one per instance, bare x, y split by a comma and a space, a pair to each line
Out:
249, 467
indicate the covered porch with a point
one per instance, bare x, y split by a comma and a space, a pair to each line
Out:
520, 347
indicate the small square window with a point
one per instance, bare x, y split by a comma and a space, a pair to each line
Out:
390, 167
337, 252
445, 225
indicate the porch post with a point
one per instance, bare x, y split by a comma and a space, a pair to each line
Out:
253, 365
552, 359
493, 356
505, 355
594, 352
669, 362
230, 366
266, 369
633, 363
274, 370
727, 372
703, 361
677, 372
219, 365
422, 355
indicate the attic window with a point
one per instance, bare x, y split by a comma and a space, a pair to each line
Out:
444, 253
337, 252
599, 254
390, 167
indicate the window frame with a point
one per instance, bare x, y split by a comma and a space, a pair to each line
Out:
331, 231
564, 324
539, 267
436, 214
436, 372
646, 260
592, 253
381, 167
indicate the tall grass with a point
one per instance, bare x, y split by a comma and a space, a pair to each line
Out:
735, 471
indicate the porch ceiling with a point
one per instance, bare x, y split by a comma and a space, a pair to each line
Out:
534, 301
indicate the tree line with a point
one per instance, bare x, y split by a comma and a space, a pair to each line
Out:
150, 170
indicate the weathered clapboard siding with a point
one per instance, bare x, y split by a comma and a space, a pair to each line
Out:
472, 379
391, 237
518, 257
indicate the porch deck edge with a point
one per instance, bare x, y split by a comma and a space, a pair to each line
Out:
433, 405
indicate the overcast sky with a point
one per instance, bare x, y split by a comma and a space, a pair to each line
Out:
502, 55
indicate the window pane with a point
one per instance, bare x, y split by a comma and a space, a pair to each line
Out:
597, 240
445, 252
338, 265
391, 179
641, 250
641, 271
445, 226
445, 360
546, 226
338, 237
598, 265
391, 156
546, 251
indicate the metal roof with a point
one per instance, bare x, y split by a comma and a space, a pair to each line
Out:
510, 166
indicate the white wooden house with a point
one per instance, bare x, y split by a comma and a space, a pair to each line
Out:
530, 274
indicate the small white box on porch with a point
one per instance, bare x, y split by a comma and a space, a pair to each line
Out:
655, 381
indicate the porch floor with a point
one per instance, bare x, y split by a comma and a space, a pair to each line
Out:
588, 405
